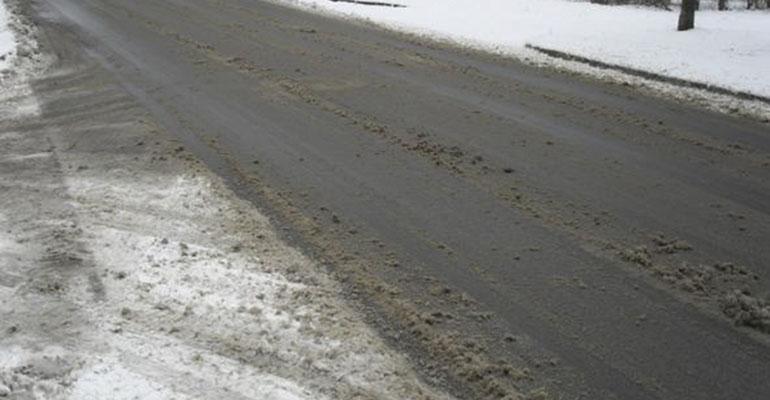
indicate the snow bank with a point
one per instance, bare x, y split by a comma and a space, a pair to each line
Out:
729, 49
20, 59
7, 42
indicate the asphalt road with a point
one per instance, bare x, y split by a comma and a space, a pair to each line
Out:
519, 187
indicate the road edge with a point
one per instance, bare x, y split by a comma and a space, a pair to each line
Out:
741, 95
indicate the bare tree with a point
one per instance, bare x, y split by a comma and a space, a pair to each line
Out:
687, 15
722, 5
757, 4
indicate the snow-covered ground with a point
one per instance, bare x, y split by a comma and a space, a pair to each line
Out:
7, 42
20, 58
729, 49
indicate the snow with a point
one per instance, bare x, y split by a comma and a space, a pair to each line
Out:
7, 40
146, 233
170, 253
20, 59
729, 49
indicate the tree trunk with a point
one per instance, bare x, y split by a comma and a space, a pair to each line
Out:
722, 5
687, 16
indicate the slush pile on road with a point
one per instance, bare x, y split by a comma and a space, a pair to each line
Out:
131, 272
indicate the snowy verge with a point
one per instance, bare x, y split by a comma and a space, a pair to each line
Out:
20, 60
20, 53
650, 75
7, 40
727, 49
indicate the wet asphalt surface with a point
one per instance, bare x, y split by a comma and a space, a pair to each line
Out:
519, 187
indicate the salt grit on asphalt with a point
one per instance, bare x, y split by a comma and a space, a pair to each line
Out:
129, 271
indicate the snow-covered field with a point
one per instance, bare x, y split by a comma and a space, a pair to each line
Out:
729, 49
